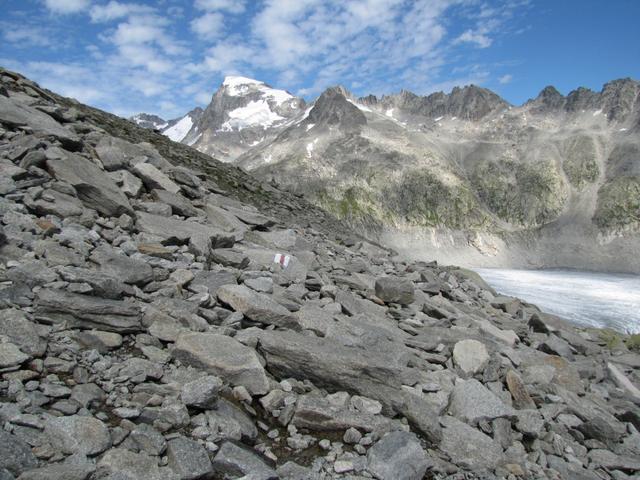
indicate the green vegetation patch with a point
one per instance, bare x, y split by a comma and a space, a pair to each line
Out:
618, 203
580, 164
522, 194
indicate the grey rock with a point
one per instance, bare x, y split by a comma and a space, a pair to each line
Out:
229, 258
395, 290
202, 392
227, 422
103, 284
100, 341
122, 464
225, 357
472, 402
59, 472
154, 178
87, 394
82, 311
468, 447
174, 231
11, 356
15, 454
609, 460
470, 356
95, 188
398, 456
179, 205
235, 461
213, 280
21, 332
256, 306
188, 459
130, 185
119, 265
321, 414
76, 434
148, 440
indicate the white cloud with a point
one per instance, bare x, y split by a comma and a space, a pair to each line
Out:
470, 36
208, 26
26, 36
115, 10
64, 7
505, 79
231, 6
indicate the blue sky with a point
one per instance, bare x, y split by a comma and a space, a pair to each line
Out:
168, 56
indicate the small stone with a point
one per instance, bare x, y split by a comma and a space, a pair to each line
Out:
202, 392
470, 356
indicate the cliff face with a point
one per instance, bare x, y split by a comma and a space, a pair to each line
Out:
167, 316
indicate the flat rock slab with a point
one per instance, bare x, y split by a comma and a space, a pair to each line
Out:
398, 456
95, 188
15, 454
472, 402
83, 311
22, 332
77, 434
126, 269
172, 230
256, 306
188, 459
469, 447
154, 178
121, 463
225, 357
59, 472
233, 461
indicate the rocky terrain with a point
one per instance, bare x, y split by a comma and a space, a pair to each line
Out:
463, 176
165, 316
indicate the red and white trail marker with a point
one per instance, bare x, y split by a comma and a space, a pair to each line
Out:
282, 259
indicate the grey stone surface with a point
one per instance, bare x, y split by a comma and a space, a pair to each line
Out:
258, 307
470, 356
235, 461
78, 435
188, 459
15, 454
224, 357
398, 456
469, 447
472, 402
395, 290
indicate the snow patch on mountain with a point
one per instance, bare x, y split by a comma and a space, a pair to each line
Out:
361, 107
239, 86
256, 113
179, 131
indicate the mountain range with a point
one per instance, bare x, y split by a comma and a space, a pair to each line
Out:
465, 176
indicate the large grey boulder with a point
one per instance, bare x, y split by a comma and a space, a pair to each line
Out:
188, 459
103, 284
470, 356
468, 447
127, 269
225, 357
256, 306
82, 311
22, 332
472, 402
201, 392
11, 356
233, 461
122, 464
173, 231
319, 413
78, 435
179, 204
15, 454
370, 372
395, 290
154, 178
60, 472
94, 187
398, 456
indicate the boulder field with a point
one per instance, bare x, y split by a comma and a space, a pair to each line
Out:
164, 316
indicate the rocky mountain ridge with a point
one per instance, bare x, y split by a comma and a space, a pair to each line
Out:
166, 316
554, 182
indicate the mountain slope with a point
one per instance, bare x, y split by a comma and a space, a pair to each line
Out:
165, 316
